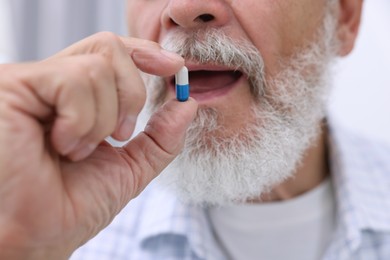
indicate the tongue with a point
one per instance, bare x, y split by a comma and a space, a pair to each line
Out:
203, 81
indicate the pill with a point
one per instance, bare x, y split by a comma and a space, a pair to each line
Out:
182, 85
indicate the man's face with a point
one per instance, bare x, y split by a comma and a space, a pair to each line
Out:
258, 70
276, 28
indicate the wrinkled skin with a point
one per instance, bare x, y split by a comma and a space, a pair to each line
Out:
60, 182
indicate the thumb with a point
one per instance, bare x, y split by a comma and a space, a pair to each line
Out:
161, 141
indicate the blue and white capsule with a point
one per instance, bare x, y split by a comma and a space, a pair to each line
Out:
182, 85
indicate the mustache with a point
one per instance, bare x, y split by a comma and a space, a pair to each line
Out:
212, 46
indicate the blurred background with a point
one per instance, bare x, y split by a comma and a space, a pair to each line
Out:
35, 29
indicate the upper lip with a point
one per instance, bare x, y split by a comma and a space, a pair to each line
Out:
193, 66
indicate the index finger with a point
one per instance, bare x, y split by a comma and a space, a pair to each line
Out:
147, 56
151, 58
127, 56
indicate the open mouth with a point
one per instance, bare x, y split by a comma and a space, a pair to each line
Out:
206, 84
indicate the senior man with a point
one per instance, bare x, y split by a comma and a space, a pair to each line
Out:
263, 173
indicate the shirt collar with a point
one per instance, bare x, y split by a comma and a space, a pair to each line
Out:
361, 174
164, 214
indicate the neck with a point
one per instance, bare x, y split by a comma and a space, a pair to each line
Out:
312, 171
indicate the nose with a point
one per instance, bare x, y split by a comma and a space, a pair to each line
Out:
191, 14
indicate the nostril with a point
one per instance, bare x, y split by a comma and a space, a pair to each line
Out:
173, 22
205, 18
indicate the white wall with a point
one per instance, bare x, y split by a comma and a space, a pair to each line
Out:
361, 98
44, 27
7, 43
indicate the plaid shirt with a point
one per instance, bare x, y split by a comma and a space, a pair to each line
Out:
157, 226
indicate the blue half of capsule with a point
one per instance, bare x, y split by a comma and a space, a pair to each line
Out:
182, 84
182, 92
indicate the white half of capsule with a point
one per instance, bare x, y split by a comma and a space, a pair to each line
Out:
181, 77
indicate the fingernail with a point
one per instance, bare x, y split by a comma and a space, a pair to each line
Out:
171, 55
127, 127
83, 152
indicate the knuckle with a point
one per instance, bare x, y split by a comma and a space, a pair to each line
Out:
107, 37
132, 99
81, 65
100, 66
75, 88
108, 43
80, 123
94, 67
101, 131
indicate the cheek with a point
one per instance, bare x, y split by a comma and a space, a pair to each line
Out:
263, 28
277, 28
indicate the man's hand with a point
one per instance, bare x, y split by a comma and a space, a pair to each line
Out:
60, 183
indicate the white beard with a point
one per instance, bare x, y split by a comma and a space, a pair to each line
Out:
287, 112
